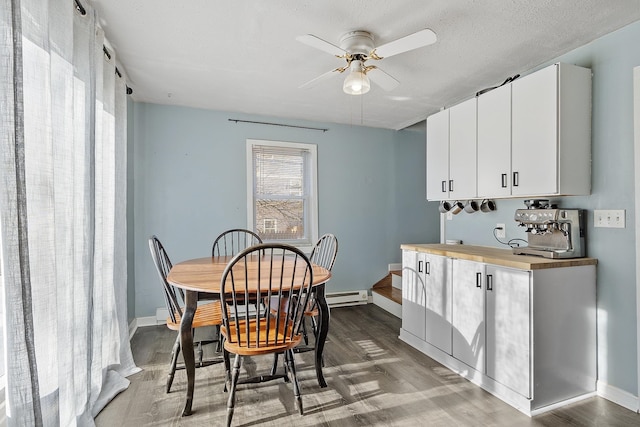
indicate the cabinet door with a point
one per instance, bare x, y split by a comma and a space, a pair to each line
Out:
508, 318
462, 150
413, 295
437, 279
438, 156
494, 143
468, 313
534, 118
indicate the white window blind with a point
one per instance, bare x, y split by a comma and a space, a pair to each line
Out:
283, 192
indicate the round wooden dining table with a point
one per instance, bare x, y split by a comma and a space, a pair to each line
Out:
203, 275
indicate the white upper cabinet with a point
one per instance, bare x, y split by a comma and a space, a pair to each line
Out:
451, 153
551, 132
462, 150
438, 156
494, 142
531, 137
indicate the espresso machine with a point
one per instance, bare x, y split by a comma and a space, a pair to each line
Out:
551, 232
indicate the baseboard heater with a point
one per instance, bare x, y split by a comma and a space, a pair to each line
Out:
341, 299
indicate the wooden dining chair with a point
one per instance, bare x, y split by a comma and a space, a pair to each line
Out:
232, 241
263, 273
324, 254
209, 314
229, 243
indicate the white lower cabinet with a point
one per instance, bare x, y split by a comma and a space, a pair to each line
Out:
413, 296
468, 313
527, 336
426, 298
508, 327
437, 279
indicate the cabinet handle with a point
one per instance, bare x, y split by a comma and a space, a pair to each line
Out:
428, 264
489, 282
444, 186
515, 179
450, 185
419, 266
478, 280
504, 180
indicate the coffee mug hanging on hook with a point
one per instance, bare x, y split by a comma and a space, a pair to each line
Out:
488, 205
445, 206
471, 206
456, 208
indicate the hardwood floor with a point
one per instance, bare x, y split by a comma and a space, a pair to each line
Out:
374, 380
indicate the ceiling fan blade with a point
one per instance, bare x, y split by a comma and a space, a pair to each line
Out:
320, 78
318, 43
412, 41
382, 79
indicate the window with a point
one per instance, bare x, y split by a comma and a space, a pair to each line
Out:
281, 192
270, 225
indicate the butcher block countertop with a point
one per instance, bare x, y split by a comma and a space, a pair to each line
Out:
496, 256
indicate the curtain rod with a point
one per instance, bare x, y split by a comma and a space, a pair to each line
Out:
278, 124
80, 8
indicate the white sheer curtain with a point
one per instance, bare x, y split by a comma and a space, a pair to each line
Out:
62, 214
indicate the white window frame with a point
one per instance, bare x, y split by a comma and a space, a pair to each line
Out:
312, 173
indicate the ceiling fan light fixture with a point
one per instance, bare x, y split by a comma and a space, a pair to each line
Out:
357, 82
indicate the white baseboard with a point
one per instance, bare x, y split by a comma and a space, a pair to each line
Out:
388, 305
133, 327
617, 396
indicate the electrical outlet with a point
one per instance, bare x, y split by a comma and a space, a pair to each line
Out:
501, 231
609, 218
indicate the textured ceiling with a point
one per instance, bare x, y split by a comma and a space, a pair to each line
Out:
242, 56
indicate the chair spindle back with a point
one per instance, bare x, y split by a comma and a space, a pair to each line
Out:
163, 266
233, 241
278, 273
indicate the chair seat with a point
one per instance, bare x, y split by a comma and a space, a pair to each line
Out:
313, 312
209, 314
268, 343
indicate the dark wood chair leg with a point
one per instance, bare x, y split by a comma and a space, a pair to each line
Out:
304, 331
314, 324
227, 370
232, 392
219, 337
200, 353
274, 368
175, 352
291, 364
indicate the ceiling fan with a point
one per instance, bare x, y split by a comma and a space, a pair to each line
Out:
357, 47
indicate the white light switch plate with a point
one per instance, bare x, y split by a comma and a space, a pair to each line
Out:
609, 218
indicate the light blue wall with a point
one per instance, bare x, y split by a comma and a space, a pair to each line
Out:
611, 59
189, 184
